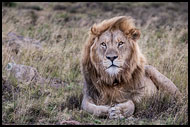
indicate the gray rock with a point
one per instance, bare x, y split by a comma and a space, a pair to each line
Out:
23, 73
16, 42
27, 74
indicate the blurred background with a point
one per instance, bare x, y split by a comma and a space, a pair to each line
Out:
84, 14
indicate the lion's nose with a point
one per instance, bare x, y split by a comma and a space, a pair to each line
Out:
112, 58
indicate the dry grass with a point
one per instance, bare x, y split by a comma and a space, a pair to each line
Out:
62, 30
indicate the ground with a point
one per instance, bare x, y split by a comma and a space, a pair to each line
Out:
61, 29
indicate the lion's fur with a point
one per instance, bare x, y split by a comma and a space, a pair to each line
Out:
100, 85
115, 92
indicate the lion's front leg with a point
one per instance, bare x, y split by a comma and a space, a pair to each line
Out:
161, 81
97, 110
122, 110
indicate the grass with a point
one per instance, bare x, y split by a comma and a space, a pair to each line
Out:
62, 32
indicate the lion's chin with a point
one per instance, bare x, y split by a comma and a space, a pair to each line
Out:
113, 70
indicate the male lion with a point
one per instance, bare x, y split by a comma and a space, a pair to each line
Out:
115, 74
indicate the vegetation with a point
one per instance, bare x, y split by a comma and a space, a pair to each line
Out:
62, 29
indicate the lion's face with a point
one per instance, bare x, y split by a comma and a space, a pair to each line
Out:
112, 50
111, 57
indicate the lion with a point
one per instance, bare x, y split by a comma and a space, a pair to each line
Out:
116, 76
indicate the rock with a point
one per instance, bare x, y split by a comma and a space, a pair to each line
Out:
27, 74
23, 73
17, 41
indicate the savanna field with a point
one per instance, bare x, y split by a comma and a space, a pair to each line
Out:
49, 37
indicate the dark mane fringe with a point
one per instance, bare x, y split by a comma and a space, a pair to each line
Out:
100, 85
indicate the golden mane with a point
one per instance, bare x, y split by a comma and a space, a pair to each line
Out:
100, 84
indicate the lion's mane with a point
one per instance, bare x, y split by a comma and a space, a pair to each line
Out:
100, 85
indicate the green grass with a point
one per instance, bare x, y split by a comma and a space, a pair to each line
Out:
62, 34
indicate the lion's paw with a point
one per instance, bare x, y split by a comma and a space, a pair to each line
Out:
115, 113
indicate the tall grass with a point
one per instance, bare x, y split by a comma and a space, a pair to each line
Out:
62, 34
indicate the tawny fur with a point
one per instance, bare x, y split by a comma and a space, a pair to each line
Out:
129, 85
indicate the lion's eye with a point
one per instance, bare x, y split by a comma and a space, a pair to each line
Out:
103, 44
120, 43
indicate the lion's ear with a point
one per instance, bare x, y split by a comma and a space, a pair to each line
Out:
94, 30
134, 34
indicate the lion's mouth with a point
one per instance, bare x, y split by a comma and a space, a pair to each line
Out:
113, 69
113, 65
